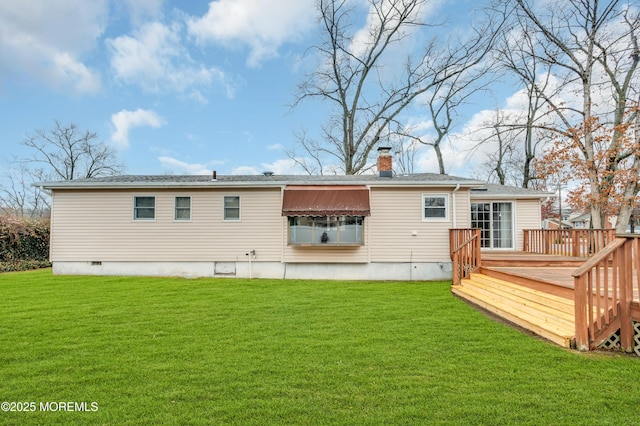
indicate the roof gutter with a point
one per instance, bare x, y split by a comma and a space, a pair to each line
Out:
253, 184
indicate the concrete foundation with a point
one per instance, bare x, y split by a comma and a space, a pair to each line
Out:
416, 271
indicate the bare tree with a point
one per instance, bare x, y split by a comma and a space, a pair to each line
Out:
19, 197
442, 101
70, 153
62, 153
310, 163
366, 90
501, 160
591, 48
405, 153
517, 133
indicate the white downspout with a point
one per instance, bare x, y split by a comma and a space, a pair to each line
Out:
453, 200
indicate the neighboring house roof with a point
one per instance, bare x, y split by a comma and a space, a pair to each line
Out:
565, 224
579, 217
479, 189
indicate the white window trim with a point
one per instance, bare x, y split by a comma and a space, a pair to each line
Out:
224, 219
133, 209
514, 225
446, 207
514, 234
175, 208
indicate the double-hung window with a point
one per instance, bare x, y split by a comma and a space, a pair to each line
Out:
182, 209
231, 208
435, 207
144, 208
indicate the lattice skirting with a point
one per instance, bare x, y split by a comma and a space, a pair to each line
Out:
613, 342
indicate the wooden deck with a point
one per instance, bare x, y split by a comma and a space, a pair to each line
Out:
543, 313
533, 291
577, 288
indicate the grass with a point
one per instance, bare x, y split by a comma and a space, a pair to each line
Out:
259, 352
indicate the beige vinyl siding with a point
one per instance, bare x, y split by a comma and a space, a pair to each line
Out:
325, 254
463, 209
527, 216
395, 215
98, 226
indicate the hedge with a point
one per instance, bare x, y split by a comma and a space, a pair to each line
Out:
24, 243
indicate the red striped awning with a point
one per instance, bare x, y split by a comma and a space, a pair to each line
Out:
326, 201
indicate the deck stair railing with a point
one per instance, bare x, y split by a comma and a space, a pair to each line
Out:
606, 299
567, 242
465, 252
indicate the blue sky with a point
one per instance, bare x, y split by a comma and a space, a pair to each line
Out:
180, 87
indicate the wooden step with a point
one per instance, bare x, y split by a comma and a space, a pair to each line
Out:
546, 315
528, 299
545, 301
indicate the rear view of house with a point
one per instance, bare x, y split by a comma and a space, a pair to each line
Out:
375, 227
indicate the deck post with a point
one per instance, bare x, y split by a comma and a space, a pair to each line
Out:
547, 238
580, 309
452, 242
456, 269
626, 292
478, 245
575, 240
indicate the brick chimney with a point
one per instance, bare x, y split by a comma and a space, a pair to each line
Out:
385, 164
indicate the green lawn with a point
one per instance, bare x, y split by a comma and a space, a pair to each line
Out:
234, 351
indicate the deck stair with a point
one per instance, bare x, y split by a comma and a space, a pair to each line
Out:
547, 315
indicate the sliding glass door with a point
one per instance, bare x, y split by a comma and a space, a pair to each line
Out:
495, 220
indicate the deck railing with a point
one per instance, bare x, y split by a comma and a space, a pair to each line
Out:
464, 245
605, 299
567, 242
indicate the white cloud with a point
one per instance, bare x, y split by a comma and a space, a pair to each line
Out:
142, 10
362, 39
263, 25
283, 166
245, 170
124, 120
188, 168
46, 41
155, 59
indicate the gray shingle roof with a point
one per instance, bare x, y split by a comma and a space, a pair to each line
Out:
480, 189
490, 190
260, 180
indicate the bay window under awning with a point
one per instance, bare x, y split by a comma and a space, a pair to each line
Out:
317, 200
